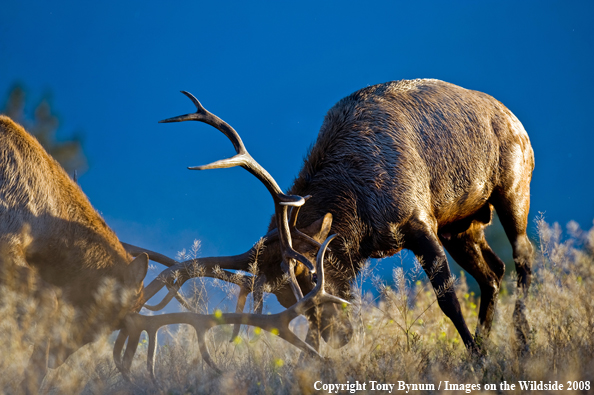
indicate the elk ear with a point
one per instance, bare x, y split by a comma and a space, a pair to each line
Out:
138, 268
319, 229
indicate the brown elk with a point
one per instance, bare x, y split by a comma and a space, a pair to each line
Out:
51, 236
414, 164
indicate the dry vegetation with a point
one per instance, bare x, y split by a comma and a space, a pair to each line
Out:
400, 336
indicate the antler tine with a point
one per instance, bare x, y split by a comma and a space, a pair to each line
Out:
293, 225
295, 212
173, 293
133, 338
151, 354
151, 290
153, 256
244, 291
204, 351
241, 299
134, 324
258, 296
203, 115
320, 265
243, 158
318, 295
117, 352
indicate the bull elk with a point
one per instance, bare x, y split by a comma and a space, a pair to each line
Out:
51, 236
414, 164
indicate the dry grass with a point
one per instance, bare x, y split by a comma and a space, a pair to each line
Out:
400, 336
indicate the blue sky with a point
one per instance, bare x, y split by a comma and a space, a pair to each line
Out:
272, 70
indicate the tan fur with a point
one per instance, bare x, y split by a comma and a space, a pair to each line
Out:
49, 229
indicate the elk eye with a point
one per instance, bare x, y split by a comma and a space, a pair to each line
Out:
314, 278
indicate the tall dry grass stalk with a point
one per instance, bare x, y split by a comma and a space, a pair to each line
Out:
402, 335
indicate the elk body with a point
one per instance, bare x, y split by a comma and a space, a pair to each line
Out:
420, 165
407, 164
53, 239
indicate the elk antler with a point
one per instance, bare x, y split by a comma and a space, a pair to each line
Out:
178, 273
136, 323
245, 160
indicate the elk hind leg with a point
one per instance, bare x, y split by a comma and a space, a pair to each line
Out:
513, 213
471, 251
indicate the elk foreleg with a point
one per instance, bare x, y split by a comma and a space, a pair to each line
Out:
426, 247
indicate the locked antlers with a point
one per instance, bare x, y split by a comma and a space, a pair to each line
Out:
136, 323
